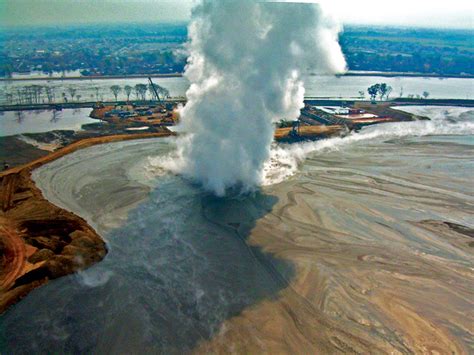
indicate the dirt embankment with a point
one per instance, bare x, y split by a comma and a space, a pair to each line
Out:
384, 109
21, 149
38, 240
15, 151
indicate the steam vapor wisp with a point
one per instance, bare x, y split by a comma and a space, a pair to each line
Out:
246, 64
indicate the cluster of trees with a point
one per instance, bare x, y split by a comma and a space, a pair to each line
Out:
382, 90
140, 91
424, 95
37, 94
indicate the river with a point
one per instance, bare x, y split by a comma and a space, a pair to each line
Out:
347, 252
316, 86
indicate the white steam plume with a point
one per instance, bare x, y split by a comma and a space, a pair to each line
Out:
247, 60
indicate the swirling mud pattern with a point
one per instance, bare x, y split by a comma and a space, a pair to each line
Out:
365, 246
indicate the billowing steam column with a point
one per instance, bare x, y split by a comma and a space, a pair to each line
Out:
247, 60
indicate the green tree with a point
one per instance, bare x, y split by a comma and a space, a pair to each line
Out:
19, 96
97, 92
140, 91
388, 92
128, 91
49, 93
383, 90
164, 93
72, 91
36, 91
115, 90
9, 98
152, 92
373, 91
426, 94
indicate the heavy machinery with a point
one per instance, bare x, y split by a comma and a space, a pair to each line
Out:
157, 90
295, 130
157, 97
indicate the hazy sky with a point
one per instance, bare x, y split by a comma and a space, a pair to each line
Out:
453, 13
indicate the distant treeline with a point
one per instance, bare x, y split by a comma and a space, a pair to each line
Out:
46, 94
158, 49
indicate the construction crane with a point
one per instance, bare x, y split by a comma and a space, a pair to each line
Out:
156, 92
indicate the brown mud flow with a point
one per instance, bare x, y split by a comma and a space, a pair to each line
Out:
38, 240
378, 267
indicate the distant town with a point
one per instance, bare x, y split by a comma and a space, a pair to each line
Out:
121, 50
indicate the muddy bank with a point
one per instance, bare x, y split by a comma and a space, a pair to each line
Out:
23, 148
40, 241
14, 151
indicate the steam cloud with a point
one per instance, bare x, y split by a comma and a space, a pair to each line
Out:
247, 60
